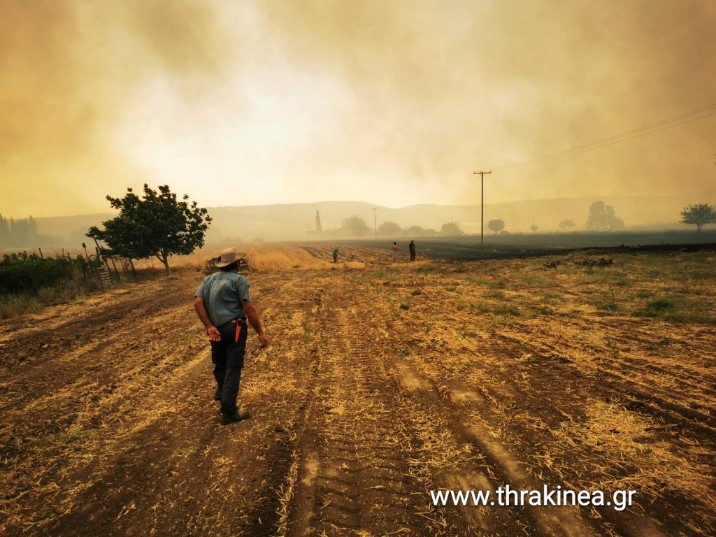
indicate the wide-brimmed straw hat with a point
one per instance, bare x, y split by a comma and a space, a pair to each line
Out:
228, 256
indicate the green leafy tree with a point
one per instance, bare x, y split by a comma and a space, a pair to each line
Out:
355, 226
496, 225
156, 225
699, 215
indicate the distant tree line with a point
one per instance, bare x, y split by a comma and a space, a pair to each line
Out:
18, 233
355, 226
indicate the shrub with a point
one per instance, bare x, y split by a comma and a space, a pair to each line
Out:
22, 273
660, 305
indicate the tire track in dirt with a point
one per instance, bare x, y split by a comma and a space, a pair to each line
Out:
515, 388
352, 474
453, 400
377, 439
621, 376
502, 466
506, 468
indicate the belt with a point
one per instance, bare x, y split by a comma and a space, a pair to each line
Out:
239, 320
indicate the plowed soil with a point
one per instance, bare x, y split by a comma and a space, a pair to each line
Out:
383, 382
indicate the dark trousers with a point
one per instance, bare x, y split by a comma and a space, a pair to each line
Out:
227, 356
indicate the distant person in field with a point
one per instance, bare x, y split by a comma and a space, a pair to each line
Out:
411, 247
395, 252
335, 255
223, 305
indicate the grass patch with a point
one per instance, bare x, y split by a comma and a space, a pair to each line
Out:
490, 284
608, 306
507, 309
12, 305
661, 306
427, 268
645, 294
552, 298
533, 280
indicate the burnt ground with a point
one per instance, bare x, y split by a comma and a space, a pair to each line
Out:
382, 383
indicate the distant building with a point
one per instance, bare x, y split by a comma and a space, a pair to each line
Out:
318, 222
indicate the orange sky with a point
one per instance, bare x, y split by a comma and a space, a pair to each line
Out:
393, 103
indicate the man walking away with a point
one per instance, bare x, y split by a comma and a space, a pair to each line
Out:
395, 252
223, 305
411, 246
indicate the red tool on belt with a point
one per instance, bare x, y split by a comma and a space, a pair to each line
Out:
238, 332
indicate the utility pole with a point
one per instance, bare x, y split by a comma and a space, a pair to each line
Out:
375, 223
482, 203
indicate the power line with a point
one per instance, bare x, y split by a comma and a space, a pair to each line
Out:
674, 121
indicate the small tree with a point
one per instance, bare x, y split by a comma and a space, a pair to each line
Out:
451, 230
156, 225
389, 229
533, 228
566, 225
496, 225
355, 226
698, 215
603, 218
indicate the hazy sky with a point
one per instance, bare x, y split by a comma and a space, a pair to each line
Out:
388, 102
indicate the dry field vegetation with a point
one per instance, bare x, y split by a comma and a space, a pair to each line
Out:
382, 382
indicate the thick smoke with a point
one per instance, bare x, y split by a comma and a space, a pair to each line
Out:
448, 87
68, 69
388, 102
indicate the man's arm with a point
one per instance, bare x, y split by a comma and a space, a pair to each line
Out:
253, 318
211, 330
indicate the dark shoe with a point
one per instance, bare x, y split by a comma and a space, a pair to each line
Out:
230, 418
234, 417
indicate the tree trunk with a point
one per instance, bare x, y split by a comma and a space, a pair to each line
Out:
164, 258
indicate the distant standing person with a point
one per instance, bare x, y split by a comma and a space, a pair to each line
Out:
411, 247
335, 255
395, 252
223, 305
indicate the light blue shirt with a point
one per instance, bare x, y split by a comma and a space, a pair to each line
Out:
224, 294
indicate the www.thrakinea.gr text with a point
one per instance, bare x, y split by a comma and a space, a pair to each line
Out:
506, 496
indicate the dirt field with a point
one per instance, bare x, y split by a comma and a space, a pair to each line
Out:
383, 382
